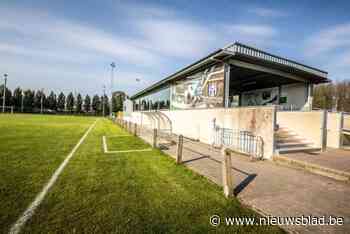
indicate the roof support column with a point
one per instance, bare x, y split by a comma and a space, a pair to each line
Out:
310, 95
227, 85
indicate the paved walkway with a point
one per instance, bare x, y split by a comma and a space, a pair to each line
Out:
338, 159
275, 190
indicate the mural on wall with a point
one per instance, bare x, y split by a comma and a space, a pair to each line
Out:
260, 97
204, 89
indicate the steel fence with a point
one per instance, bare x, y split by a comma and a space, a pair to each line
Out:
241, 141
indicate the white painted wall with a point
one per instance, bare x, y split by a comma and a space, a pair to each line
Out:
296, 95
198, 123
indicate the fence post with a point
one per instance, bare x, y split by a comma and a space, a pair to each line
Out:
227, 179
179, 149
154, 138
324, 131
135, 129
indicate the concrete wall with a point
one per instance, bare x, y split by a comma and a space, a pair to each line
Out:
335, 138
346, 121
198, 124
306, 124
346, 125
334, 130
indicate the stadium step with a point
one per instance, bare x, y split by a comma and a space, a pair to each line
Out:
287, 141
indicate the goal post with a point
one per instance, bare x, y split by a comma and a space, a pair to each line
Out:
7, 109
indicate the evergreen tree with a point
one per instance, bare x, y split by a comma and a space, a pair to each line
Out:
119, 103
70, 102
8, 96
17, 98
38, 98
96, 103
28, 101
87, 103
52, 101
105, 103
61, 101
78, 105
114, 104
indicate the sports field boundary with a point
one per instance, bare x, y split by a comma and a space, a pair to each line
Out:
29, 212
106, 151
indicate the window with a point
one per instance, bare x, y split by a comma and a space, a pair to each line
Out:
157, 100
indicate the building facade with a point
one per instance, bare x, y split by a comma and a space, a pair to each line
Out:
234, 76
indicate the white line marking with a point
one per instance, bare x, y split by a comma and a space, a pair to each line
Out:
127, 151
29, 212
120, 136
106, 151
104, 144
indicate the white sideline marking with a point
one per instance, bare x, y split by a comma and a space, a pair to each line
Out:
106, 151
120, 136
104, 144
28, 213
127, 151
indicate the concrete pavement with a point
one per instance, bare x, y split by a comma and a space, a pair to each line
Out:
272, 189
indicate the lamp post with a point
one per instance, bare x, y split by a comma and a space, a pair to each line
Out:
112, 77
4, 94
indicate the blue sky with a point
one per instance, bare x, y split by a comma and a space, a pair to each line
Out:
68, 45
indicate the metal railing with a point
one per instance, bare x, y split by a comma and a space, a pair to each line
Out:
241, 141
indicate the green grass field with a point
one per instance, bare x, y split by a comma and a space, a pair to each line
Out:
136, 192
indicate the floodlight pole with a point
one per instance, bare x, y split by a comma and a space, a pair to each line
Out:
112, 77
4, 94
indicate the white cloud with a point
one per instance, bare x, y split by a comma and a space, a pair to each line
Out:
44, 53
329, 40
176, 38
253, 30
72, 38
125, 49
63, 51
331, 47
267, 12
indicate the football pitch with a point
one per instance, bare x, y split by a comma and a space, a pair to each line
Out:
57, 167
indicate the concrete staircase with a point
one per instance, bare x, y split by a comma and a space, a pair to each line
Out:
288, 141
